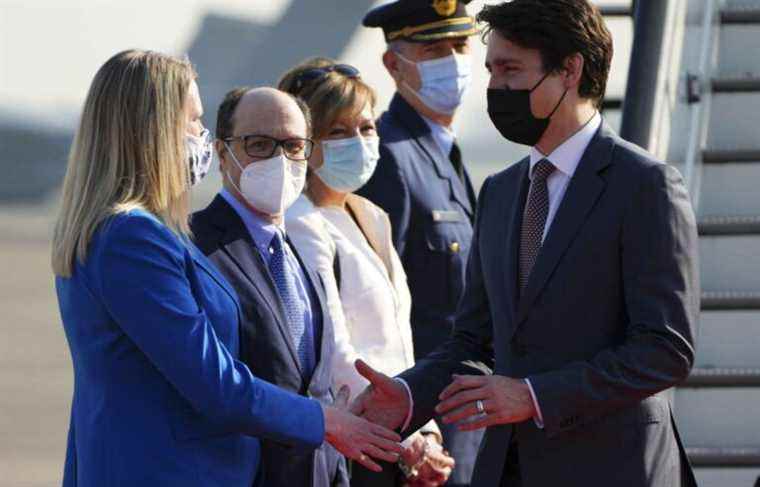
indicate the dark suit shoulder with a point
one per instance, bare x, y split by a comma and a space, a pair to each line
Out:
507, 177
634, 164
203, 230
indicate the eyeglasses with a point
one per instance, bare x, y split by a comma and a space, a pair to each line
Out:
264, 147
314, 74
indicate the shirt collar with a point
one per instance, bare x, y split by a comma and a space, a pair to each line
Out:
568, 155
261, 231
444, 136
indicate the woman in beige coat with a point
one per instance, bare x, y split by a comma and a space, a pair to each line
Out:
346, 239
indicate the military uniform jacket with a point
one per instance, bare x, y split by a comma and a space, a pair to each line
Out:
431, 211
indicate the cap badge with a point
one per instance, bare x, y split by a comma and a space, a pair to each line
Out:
444, 8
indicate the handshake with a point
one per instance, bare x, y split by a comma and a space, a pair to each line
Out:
363, 431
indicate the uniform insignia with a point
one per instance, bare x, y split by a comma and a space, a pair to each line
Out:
444, 8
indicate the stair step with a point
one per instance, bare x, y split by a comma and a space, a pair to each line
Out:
724, 457
729, 190
722, 417
730, 262
723, 377
740, 12
728, 339
734, 118
718, 156
736, 42
728, 476
729, 225
616, 10
731, 300
740, 84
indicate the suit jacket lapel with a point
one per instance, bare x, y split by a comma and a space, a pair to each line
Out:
237, 243
511, 231
368, 227
582, 193
412, 120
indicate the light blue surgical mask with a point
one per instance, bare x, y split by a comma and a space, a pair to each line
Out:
444, 81
348, 163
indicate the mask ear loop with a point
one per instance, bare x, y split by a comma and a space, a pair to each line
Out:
560, 99
558, 104
227, 174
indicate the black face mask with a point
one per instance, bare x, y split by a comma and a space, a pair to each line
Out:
511, 114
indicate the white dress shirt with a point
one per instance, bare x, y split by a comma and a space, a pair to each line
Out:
444, 136
565, 159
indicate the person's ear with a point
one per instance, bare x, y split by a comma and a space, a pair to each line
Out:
391, 63
221, 152
573, 67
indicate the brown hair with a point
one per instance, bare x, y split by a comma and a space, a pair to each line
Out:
557, 29
128, 152
327, 97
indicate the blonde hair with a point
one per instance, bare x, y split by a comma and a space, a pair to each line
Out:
128, 152
327, 97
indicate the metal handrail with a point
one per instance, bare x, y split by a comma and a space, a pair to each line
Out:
700, 111
650, 20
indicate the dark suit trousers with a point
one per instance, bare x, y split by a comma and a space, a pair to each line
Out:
391, 476
510, 476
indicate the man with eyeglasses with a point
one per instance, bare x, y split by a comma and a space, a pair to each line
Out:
421, 180
263, 143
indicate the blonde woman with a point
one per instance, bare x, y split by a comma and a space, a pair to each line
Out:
347, 239
160, 397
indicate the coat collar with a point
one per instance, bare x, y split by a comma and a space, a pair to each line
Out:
407, 116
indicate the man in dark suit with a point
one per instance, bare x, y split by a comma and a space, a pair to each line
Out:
421, 180
582, 282
286, 338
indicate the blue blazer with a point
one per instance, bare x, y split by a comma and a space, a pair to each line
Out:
160, 398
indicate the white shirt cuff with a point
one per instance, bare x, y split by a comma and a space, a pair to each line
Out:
411, 403
538, 418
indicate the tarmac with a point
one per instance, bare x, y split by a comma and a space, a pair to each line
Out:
35, 365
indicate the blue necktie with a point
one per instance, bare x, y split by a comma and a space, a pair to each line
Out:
285, 280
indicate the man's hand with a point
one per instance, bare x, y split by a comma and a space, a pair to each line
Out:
505, 400
357, 438
384, 401
433, 464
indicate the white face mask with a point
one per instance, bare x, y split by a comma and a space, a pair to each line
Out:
270, 185
444, 81
349, 163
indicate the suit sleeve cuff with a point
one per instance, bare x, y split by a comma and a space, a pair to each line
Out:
411, 403
538, 418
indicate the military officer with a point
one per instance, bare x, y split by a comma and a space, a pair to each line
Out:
421, 180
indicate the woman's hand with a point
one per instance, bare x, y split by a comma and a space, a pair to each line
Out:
429, 464
357, 438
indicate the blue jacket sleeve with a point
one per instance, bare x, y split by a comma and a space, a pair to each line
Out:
142, 275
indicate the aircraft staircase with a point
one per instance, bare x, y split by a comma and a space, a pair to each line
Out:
718, 408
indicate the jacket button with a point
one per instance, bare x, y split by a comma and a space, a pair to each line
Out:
454, 247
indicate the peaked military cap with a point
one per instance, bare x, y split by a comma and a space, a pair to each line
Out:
422, 20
